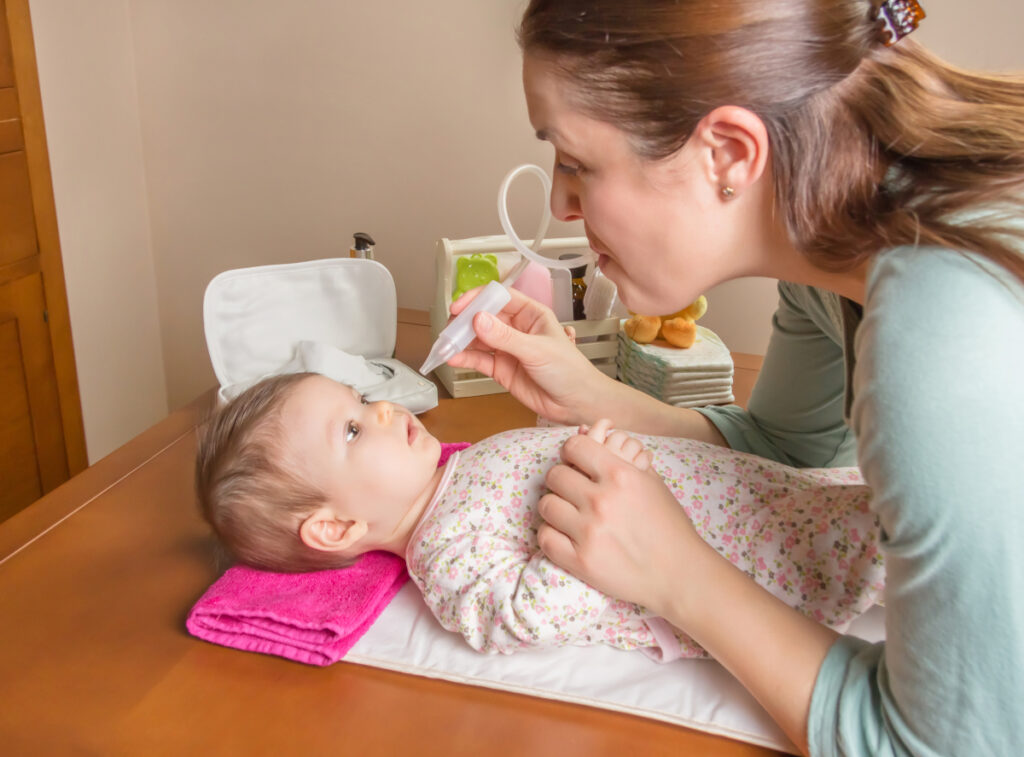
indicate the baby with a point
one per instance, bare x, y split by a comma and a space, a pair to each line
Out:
300, 473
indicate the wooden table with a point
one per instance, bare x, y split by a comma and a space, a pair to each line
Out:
96, 580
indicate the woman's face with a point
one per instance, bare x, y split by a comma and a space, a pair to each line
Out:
654, 224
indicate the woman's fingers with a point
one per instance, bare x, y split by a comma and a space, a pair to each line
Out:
560, 514
557, 547
568, 488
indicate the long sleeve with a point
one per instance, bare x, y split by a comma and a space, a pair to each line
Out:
795, 413
939, 416
512, 600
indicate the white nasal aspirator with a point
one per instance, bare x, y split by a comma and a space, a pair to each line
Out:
457, 335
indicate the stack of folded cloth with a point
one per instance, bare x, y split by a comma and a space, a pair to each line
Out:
699, 375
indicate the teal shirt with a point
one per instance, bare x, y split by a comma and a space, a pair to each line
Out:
937, 421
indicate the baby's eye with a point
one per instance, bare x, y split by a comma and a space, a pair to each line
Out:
351, 431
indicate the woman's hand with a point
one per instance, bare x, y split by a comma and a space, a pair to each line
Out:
615, 526
526, 350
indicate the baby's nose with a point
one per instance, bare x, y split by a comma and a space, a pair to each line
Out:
385, 410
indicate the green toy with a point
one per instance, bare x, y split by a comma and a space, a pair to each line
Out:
472, 271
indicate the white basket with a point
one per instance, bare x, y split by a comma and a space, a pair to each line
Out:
595, 339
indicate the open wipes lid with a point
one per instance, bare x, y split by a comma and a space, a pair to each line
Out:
338, 317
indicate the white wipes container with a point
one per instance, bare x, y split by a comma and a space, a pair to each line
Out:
337, 316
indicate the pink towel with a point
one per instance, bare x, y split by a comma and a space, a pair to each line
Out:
313, 618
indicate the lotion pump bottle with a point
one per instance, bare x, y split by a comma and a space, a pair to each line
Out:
362, 246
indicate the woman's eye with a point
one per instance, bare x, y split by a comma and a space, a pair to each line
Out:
351, 431
569, 169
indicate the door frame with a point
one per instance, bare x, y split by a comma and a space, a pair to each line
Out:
26, 79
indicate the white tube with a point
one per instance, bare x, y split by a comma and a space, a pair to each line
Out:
519, 244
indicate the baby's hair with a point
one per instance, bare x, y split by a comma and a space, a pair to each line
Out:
247, 492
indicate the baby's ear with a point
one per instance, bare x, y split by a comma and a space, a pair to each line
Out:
325, 531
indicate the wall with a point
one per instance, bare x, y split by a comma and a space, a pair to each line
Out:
271, 131
88, 86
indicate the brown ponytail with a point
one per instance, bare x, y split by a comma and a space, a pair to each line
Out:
873, 146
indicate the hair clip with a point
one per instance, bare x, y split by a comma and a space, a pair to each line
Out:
898, 19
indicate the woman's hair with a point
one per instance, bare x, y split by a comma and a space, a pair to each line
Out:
873, 146
247, 492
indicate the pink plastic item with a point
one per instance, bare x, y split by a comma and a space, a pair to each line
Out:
535, 282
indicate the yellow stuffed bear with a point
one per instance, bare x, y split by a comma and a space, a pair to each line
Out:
678, 329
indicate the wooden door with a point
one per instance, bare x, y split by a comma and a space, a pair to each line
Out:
42, 442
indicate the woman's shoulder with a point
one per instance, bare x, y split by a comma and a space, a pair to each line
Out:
940, 337
939, 277
937, 386
939, 299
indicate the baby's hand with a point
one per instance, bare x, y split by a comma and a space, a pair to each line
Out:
619, 442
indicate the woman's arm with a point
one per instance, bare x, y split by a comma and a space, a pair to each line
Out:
773, 650
795, 412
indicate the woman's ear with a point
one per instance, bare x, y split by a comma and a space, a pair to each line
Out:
736, 147
325, 531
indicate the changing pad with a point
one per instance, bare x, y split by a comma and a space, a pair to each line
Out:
699, 694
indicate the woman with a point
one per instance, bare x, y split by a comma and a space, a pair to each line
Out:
700, 142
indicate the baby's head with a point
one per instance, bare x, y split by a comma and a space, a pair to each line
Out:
299, 473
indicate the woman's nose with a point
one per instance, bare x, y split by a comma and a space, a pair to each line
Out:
565, 202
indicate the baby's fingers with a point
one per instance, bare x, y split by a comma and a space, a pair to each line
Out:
629, 449
598, 431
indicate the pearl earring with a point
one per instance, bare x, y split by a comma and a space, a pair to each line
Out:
728, 192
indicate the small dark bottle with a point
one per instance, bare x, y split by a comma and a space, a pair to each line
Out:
579, 288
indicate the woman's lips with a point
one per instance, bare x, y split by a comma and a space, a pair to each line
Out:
602, 254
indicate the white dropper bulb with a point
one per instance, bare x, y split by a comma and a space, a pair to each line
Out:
457, 335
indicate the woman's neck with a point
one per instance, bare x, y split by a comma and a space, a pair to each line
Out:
849, 284
782, 260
